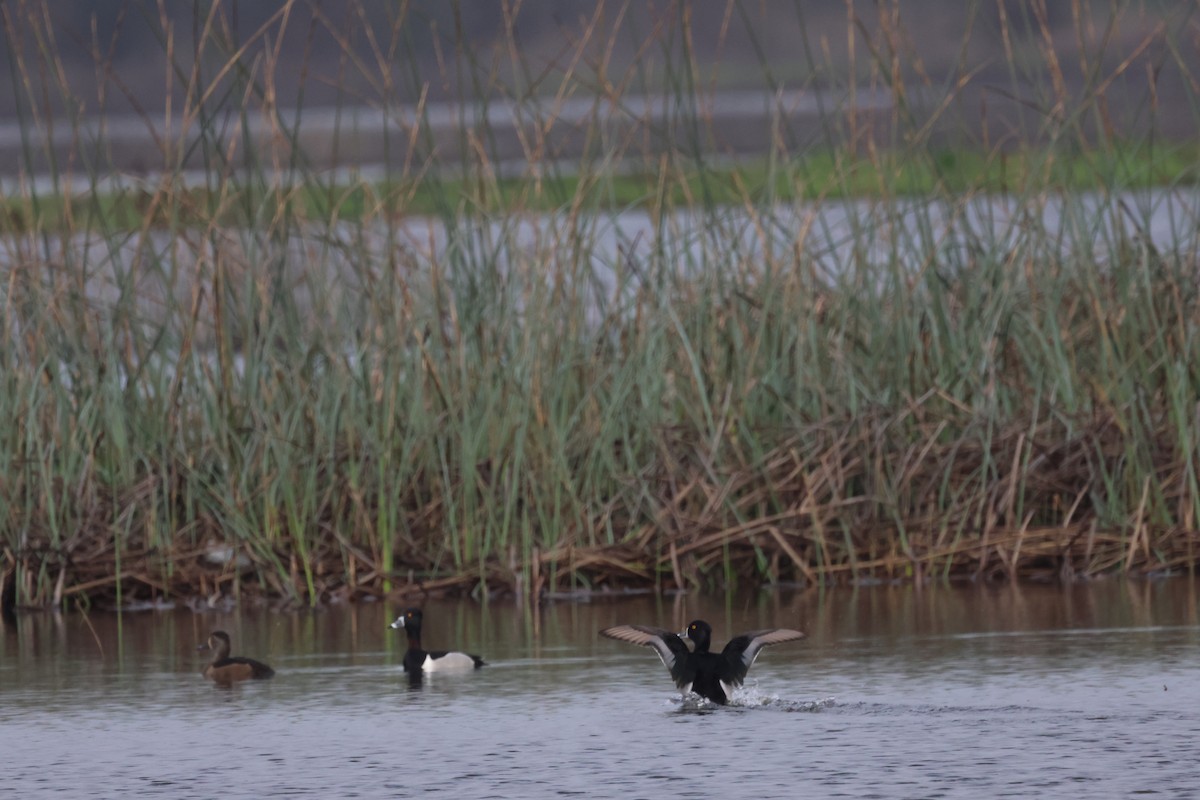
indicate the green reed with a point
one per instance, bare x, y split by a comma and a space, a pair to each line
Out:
273, 362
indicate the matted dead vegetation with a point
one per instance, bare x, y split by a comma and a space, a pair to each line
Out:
877, 498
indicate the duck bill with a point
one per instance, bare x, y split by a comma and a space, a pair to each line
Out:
399, 623
201, 648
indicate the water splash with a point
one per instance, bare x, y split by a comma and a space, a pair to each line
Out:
753, 697
750, 697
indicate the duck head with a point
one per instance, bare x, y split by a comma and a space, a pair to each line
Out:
700, 632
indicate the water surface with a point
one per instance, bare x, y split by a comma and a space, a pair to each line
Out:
898, 692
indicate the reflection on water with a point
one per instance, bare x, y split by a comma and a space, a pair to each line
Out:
897, 692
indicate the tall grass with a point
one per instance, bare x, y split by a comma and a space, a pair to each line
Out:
250, 373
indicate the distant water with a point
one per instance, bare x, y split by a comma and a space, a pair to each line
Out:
1037, 691
331, 270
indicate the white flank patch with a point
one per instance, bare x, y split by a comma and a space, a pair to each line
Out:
451, 662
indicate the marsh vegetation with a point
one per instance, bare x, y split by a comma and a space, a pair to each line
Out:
539, 356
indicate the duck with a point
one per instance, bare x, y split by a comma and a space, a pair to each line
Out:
712, 676
226, 669
418, 660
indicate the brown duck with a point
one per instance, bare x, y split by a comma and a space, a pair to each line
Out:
226, 669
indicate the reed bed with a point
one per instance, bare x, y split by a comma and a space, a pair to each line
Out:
281, 383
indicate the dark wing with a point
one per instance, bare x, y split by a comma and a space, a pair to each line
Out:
742, 650
668, 645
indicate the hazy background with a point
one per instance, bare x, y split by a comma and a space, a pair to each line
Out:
997, 72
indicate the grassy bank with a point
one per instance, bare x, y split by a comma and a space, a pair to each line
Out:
815, 176
249, 388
